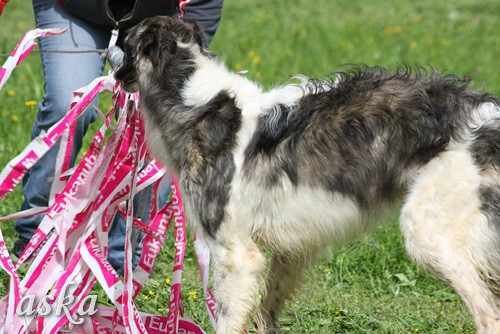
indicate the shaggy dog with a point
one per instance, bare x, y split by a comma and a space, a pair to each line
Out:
306, 165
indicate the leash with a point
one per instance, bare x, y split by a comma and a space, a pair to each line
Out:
5, 55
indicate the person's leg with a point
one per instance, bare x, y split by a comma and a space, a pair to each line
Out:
116, 239
63, 73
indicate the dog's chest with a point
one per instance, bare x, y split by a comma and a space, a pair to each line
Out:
155, 140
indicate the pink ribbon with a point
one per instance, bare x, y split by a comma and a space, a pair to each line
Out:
68, 252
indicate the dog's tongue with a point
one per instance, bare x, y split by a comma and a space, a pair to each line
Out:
115, 56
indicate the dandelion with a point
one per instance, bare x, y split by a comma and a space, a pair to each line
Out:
258, 75
14, 118
167, 280
256, 60
193, 294
237, 66
445, 42
254, 57
416, 330
151, 292
11, 92
393, 30
30, 103
145, 297
413, 45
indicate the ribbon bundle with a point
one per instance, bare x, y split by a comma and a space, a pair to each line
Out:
68, 252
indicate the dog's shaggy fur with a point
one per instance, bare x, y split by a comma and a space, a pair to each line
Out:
302, 166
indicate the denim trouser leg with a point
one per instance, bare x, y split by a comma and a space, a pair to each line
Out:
116, 237
117, 230
63, 73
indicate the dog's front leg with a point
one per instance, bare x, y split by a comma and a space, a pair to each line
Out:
239, 265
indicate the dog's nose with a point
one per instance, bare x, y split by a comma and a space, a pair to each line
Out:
115, 56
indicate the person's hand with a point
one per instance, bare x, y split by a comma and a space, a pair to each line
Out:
114, 56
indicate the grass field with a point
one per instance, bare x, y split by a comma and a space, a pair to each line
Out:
369, 286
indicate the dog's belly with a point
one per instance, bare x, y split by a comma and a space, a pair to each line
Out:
289, 219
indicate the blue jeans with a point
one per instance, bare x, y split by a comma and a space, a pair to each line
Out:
64, 73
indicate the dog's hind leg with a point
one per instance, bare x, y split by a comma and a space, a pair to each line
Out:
238, 268
284, 276
447, 231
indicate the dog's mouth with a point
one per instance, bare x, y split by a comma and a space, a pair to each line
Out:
130, 86
127, 80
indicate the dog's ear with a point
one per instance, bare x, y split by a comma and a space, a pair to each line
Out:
149, 47
197, 33
157, 49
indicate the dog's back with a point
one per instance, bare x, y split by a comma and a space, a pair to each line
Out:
370, 127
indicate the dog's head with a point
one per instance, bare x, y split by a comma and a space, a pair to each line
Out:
159, 45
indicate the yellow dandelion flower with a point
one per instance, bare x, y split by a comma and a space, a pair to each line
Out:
30, 103
446, 42
168, 281
237, 66
145, 297
14, 118
256, 60
251, 54
11, 92
393, 30
193, 294
151, 292
413, 45
258, 75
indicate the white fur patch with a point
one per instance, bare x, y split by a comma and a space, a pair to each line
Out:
486, 113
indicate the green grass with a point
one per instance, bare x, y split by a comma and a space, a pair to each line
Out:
369, 286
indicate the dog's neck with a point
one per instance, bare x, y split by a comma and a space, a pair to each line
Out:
208, 95
212, 77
